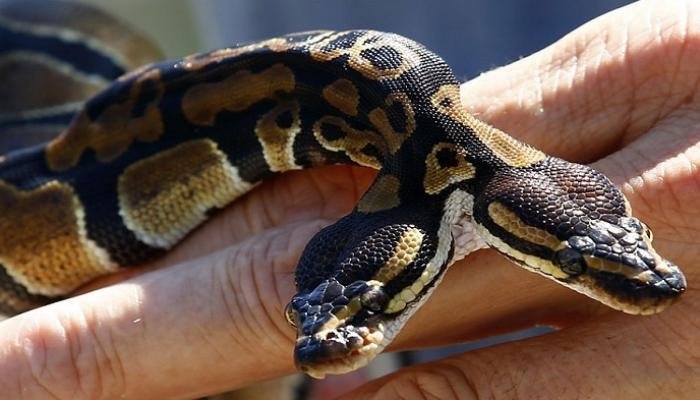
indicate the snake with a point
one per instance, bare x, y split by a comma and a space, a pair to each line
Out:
110, 158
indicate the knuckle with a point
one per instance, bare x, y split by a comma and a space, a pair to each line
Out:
438, 381
65, 359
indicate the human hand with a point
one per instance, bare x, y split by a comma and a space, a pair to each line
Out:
621, 90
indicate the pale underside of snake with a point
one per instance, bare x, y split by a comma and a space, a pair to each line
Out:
143, 158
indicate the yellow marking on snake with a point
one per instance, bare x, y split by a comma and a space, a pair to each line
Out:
405, 253
343, 95
110, 134
510, 150
357, 54
46, 249
618, 268
352, 141
340, 316
201, 103
276, 131
161, 205
438, 177
512, 223
199, 61
382, 195
527, 261
455, 205
380, 121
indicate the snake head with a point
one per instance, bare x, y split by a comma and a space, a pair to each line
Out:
359, 280
339, 328
569, 223
612, 260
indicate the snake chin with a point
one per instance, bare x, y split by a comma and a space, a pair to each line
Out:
338, 351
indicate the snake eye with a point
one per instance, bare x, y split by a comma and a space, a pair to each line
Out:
374, 299
290, 314
571, 261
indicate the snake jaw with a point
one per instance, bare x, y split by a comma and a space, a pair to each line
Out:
338, 351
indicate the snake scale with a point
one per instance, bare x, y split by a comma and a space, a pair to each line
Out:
143, 157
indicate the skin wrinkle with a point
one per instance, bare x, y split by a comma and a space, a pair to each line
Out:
280, 267
217, 288
256, 293
38, 366
469, 388
260, 279
231, 299
75, 347
230, 302
243, 296
104, 351
426, 382
103, 347
661, 348
642, 161
453, 376
318, 192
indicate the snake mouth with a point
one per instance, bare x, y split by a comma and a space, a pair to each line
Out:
338, 351
644, 293
629, 284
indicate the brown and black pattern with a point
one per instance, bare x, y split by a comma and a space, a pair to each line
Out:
148, 158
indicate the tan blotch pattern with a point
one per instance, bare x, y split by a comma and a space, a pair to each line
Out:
510, 150
165, 196
352, 142
278, 141
437, 177
343, 95
380, 121
198, 61
321, 50
510, 221
113, 131
46, 248
405, 252
201, 103
382, 195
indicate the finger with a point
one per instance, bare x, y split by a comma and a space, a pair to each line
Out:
199, 327
619, 357
599, 87
659, 176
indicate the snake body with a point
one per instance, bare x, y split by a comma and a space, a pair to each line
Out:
146, 158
